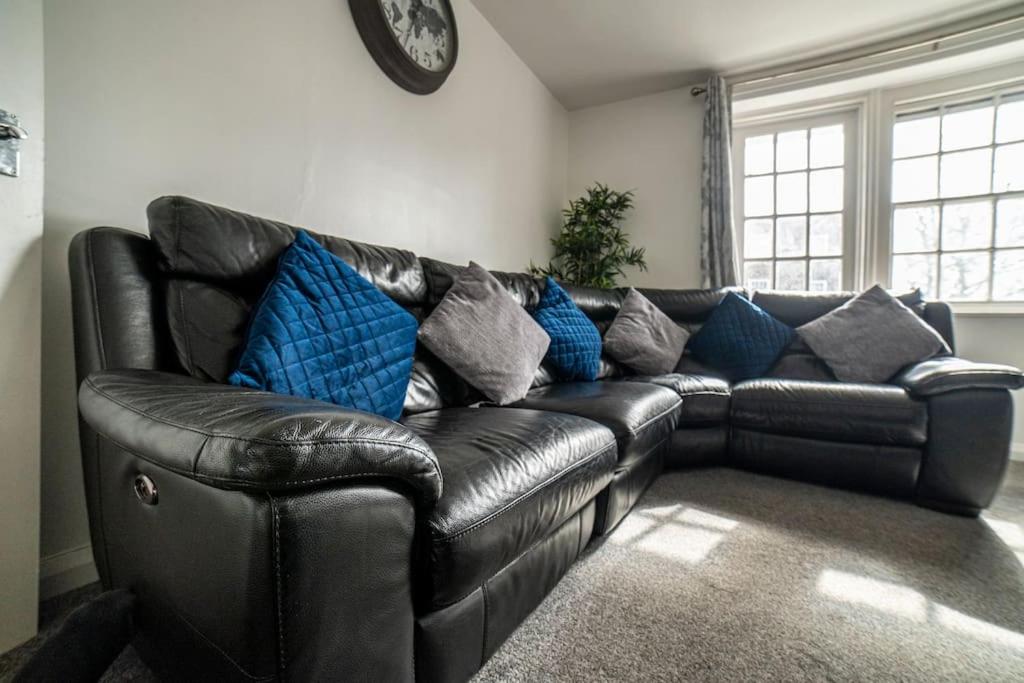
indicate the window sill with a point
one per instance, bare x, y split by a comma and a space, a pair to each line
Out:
987, 308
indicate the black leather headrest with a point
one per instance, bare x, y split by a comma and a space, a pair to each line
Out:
440, 276
200, 241
798, 308
689, 305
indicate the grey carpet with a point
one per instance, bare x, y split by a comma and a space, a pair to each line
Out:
725, 575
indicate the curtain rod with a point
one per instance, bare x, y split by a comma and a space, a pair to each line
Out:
933, 41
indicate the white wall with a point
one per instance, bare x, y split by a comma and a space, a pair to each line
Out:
21, 230
276, 109
652, 145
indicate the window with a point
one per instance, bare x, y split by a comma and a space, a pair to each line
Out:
957, 214
795, 197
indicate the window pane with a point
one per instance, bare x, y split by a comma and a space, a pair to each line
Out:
968, 126
1010, 222
915, 271
791, 236
965, 276
827, 146
1009, 168
791, 193
791, 151
915, 179
915, 228
827, 235
967, 225
759, 155
827, 190
965, 173
757, 274
1010, 120
757, 238
789, 275
916, 136
1008, 282
758, 196
826, 275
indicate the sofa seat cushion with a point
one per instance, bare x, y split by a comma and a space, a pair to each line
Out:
640, 415
511, 477
705, 399
833, 411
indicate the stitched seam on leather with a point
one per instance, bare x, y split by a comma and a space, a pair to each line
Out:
198, 455
487, 616
533, 547
540, 487
184, 329
579, 536
268, 442
99, 505
95, 301
214, 645
841, 403
276, 514
176, 206
636, 430
826, 436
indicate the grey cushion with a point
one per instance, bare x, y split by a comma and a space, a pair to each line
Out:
643, 338
480, 331
871, 337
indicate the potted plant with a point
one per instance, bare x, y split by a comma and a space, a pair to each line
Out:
591, 249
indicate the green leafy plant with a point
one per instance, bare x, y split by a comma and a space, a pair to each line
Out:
591, 249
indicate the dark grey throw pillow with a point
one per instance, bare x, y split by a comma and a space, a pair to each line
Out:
643, 338
487, 338
871, 337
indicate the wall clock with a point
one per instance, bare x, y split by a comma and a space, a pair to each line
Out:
415, 42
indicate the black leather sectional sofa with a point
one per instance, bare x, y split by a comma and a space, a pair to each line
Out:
270, 537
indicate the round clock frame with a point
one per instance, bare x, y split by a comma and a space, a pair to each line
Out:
391, 57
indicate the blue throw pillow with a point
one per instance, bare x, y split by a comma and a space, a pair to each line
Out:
323, 331
740, 340
575, 350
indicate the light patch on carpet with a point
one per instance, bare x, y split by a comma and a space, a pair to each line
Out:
674, 532
881, 595
976, 628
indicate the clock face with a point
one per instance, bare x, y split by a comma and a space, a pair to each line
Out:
423, 29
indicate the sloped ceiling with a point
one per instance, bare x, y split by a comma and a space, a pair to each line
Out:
591, 52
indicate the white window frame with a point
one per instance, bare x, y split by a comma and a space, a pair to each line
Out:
850, 115
876, 111
933, 94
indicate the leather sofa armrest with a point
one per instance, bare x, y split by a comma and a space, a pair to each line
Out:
942, 375
235, 438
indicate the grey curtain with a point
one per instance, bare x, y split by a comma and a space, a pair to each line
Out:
717, 253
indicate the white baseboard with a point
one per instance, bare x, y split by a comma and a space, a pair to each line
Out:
66, 571
1017, 451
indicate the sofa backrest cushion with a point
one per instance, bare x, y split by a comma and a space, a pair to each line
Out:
440, 276
799, 308
216, 263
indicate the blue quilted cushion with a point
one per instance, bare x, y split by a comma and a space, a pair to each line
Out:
323, 331
740, 340
575, 350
